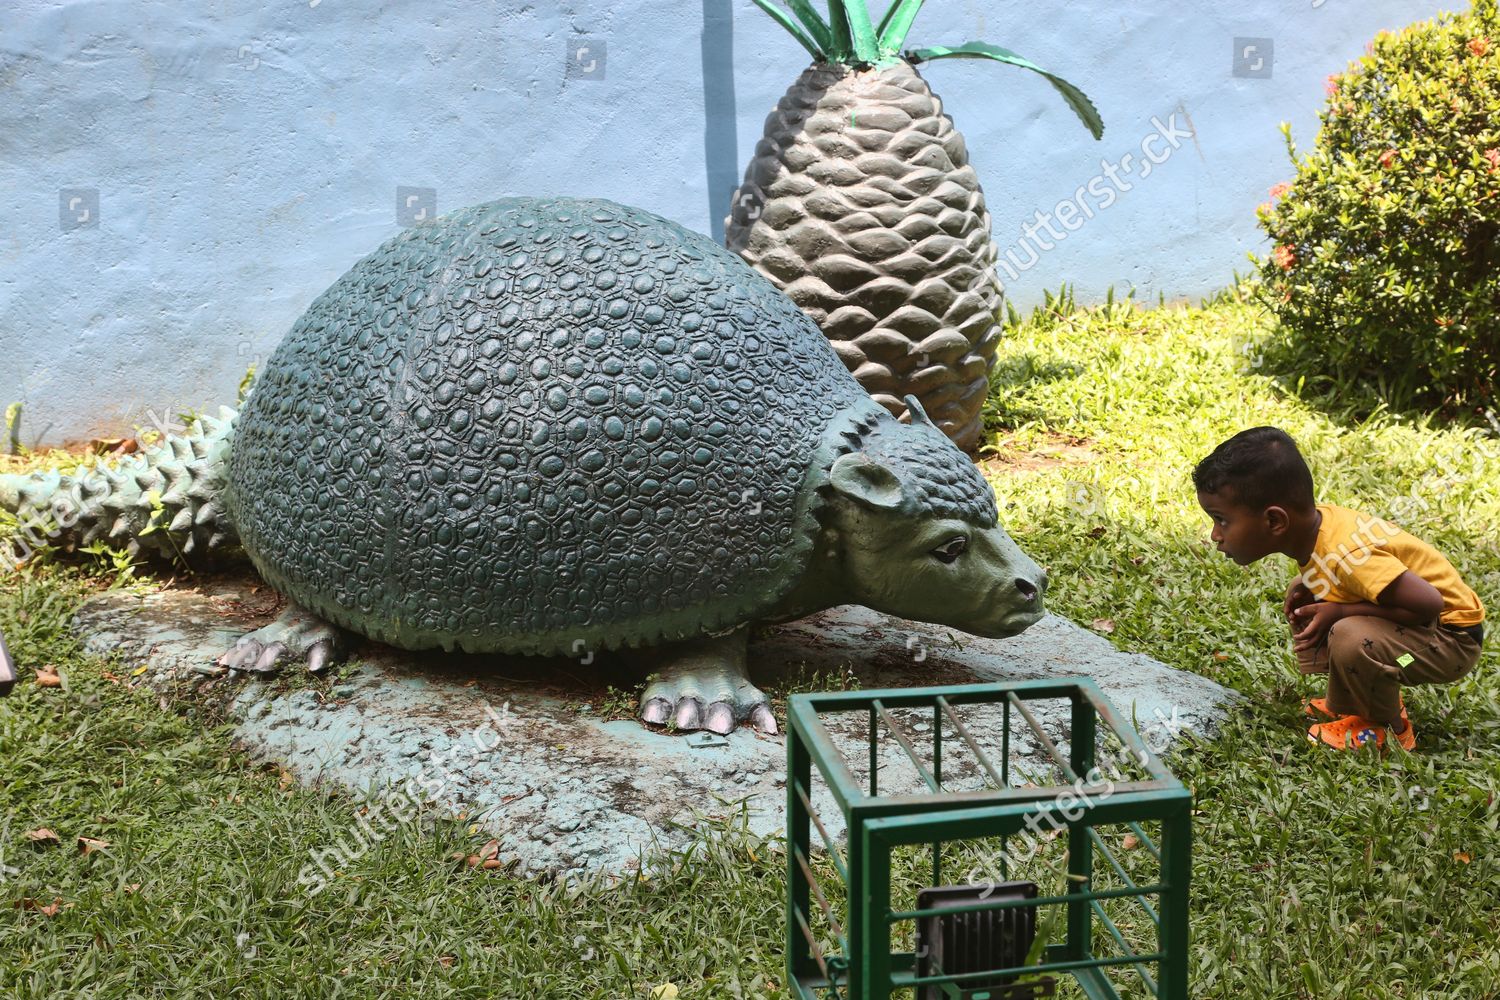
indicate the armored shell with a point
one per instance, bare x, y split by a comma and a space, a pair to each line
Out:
539, 425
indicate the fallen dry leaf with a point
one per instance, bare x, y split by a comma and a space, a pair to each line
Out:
1105, 625
490, 850
51, 909
43, 837
46, 677
88, 845
446, 961
1462, 857
1131, 842
1221, 657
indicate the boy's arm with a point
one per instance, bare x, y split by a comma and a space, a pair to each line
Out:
1407, 600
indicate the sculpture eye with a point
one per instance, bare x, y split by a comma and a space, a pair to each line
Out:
951, 549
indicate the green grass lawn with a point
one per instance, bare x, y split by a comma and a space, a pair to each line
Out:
1316, 874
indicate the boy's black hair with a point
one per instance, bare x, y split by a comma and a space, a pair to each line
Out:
1261, 467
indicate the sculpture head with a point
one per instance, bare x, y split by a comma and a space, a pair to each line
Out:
914, 527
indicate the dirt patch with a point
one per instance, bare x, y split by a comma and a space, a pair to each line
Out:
1009, 457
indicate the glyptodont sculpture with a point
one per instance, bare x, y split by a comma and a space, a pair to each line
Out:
550, 425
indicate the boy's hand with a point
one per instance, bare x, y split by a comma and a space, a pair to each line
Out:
1315, 621
1297, 594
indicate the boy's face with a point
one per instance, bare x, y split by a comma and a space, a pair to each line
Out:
1242, 533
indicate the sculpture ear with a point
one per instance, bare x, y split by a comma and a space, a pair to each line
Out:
865, 480
918, 415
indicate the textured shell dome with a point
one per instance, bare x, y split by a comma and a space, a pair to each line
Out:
538, 425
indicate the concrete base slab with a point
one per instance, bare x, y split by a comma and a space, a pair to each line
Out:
545, 753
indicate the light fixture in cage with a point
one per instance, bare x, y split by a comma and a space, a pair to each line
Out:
967, 941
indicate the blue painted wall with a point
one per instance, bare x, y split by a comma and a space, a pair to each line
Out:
179, 180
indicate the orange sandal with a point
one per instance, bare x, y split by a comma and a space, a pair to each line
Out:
1352, 732
1317, 708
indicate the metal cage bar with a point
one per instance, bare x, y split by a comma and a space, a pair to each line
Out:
1114, 932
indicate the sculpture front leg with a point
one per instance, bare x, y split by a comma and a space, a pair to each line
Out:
703, 684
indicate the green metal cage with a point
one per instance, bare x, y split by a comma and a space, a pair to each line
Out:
842, 927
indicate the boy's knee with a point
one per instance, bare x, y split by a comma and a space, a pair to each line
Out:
1350, 638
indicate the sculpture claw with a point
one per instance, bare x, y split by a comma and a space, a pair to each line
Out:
655, 711
243, 654
320, 656
720, 718
763, 719
269, 661
689, 714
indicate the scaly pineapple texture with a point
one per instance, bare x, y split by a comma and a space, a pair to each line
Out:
861, 205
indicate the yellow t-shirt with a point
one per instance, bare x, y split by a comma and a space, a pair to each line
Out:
1358, 555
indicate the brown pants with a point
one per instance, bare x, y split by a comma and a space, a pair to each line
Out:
1368, 659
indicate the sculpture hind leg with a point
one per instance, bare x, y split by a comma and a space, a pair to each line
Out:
704, 685
296, 635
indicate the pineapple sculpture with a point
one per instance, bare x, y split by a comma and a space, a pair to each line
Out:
861, 205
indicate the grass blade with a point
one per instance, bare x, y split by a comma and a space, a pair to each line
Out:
1077, 99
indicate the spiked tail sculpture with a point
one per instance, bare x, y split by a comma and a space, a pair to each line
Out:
166, 500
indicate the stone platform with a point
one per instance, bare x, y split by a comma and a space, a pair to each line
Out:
542, 753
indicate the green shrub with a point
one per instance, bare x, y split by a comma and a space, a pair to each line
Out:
1385, 267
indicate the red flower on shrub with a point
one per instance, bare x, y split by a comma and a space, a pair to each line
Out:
1280, 189
1479, 46
1283, 257
1387, 158
1493, 155
1332, 86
